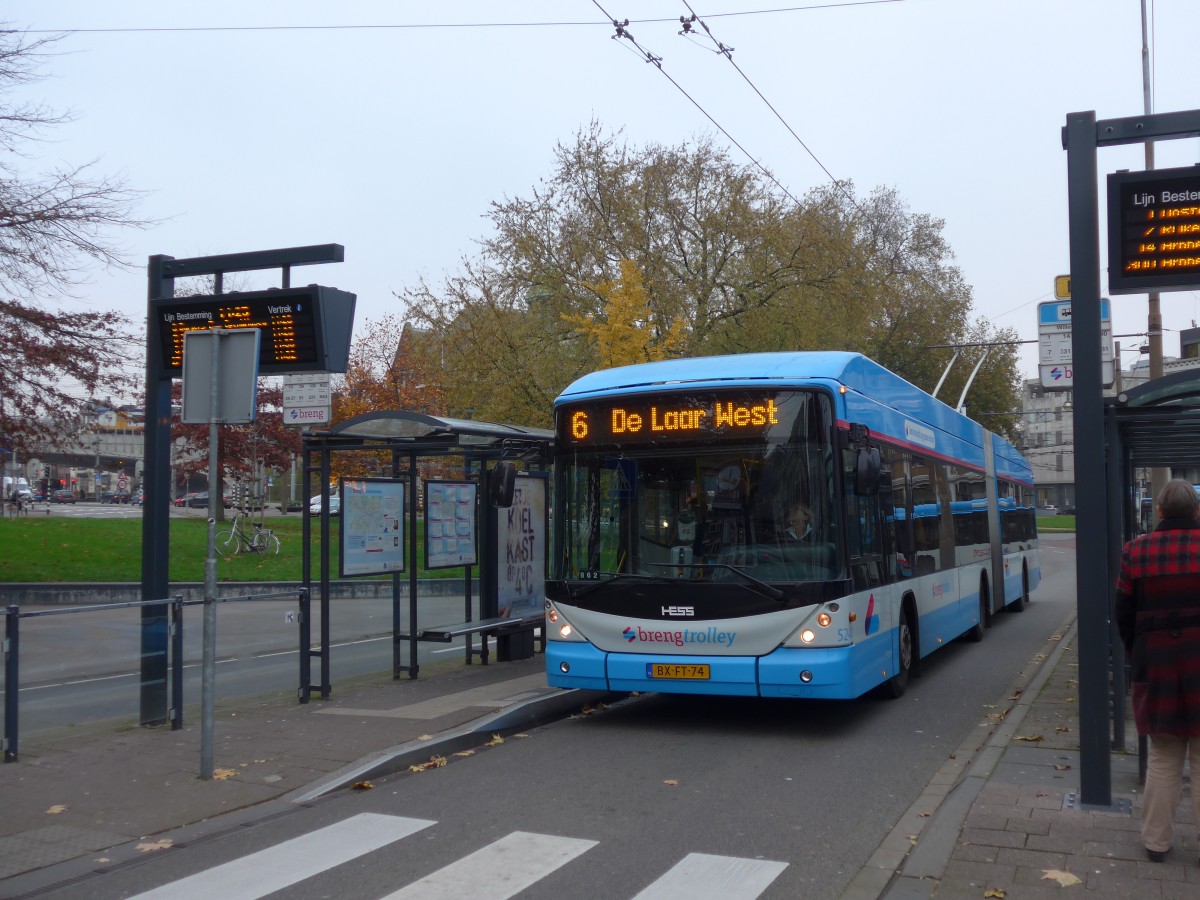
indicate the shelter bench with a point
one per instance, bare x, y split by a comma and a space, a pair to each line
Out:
496, 625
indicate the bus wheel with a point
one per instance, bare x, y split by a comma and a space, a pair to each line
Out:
894, 687
1022, 601
975, 634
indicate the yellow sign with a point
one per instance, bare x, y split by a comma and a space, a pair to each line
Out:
1062, 287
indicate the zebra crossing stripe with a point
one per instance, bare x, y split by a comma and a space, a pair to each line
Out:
283, 865
700, 876
499, 870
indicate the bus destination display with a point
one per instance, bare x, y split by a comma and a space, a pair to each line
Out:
674, 417
292, 322
1154, 230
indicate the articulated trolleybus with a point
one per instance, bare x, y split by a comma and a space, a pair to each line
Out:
681, 564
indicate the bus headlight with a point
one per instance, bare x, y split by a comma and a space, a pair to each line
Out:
808, 636
823, 619
565, 630
552, 616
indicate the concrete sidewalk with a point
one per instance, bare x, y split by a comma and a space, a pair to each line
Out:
1002, 819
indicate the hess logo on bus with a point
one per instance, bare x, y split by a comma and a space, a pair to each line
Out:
679, 610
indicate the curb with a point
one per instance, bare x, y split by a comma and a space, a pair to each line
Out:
528, 714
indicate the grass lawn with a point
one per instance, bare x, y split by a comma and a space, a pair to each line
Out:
1056, 523
54, 549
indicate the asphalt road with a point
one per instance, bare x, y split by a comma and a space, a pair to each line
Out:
656, 787
84, 667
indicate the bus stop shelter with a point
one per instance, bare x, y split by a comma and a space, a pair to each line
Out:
1154, 425
391, 444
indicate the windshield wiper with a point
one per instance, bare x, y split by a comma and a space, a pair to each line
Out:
768, 590
612, 578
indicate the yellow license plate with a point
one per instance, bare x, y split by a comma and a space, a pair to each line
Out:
691, 671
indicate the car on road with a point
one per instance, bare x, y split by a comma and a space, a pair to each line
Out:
335, 505
62, 496
200, 501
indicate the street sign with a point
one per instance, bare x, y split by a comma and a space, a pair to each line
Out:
307, 400
1062, 287
237, 358
1054, 345
1154, 230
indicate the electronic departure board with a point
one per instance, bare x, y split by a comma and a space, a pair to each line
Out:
302, 329
1154, 230
674, 418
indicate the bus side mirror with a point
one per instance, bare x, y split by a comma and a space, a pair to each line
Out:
501, 482
866, 471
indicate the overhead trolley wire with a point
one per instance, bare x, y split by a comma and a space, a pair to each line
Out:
623, 33
421, 25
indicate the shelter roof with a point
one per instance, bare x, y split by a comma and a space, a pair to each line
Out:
423, 433
1159, 421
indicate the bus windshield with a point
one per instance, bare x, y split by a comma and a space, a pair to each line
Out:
753, 504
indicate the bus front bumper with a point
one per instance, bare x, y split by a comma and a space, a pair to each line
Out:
815, 673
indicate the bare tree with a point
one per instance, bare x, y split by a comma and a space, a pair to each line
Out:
55, 224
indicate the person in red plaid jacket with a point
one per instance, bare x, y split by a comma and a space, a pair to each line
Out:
1158, 615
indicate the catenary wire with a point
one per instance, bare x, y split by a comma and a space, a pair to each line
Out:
429, 25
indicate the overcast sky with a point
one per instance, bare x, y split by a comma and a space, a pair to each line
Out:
264, 124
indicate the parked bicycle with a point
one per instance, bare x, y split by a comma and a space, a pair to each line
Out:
237, 538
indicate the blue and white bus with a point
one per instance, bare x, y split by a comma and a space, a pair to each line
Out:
672, 568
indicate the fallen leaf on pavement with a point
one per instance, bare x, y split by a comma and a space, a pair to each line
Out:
1062, 767
465, 753
1029, 737
362, 786
994, 892
150, 846
671, 781
222, 774
103, 859
496, 741
56, 809
1066, 879
425, 737
435, 762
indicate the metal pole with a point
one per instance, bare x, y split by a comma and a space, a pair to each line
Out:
208, 676
1158, 475
12, 680
413, 665
156, 521
177, 662
949, 366
975, 371
1091, 567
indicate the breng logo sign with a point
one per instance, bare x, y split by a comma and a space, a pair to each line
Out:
680, 638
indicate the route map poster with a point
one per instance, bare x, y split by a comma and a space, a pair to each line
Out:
521, 550
372, 526
449, 524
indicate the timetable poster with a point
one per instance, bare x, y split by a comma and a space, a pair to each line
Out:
372, 526
449, 524
521, 550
